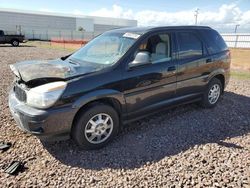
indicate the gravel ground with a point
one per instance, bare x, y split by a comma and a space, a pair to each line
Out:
183, 147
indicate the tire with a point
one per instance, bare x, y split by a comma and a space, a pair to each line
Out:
15, 43
90, 125
210, 100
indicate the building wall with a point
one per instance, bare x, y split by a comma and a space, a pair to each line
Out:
10, 20
99, 28
113, 21
86, 23
28, 21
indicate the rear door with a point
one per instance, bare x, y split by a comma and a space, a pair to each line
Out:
148, 87
2, 37
193, 63
219, 53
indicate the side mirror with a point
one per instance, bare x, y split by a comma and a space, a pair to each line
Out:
141, 58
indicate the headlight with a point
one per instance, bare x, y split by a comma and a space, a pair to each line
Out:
46, 95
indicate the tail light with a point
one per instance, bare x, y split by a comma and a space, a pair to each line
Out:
229, 54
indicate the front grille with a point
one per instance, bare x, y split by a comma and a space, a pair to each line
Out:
20, 93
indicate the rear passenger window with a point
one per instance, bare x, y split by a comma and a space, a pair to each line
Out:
190, 45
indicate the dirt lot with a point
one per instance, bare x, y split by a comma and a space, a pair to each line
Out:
240, 59
183, 147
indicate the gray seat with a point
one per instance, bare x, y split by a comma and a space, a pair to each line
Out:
160, 53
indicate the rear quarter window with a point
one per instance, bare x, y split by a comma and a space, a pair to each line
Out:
214, 41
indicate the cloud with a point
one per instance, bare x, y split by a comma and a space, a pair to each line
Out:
228, 15
116, 11
46, 10
77, 12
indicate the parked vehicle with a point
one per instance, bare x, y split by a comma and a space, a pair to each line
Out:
14, 40
120, 76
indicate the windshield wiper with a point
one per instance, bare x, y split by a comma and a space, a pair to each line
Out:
72, 61
65, 57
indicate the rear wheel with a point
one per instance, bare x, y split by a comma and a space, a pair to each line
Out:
212, 94
95, 127
15, 43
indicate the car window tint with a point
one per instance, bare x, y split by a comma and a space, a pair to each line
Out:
189, 45
158, 47
1, 33
215, 42
106, 46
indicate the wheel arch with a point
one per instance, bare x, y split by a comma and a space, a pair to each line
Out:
14, 40
220, 75
112, 98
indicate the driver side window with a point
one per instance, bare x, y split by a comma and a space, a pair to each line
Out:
158, 47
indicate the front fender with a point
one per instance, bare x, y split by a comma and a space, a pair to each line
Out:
99, 94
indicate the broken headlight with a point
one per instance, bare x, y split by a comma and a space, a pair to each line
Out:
46, 95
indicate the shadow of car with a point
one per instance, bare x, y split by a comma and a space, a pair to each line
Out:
163, 135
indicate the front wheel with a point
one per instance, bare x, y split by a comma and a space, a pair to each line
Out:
95, 127
212, 93
15, 43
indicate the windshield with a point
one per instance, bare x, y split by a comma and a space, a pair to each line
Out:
105, 49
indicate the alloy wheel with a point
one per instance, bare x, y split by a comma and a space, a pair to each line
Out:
98, 128
214, 94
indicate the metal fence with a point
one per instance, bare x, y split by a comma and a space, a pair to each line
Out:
48, 35
234, 40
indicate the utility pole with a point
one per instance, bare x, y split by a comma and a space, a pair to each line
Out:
236, 27
196, 12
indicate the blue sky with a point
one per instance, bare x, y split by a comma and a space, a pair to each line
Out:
93, 5
216, 13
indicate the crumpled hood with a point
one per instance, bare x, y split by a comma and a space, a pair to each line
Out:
30, 70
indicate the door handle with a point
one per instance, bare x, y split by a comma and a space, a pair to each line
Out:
173, 68
209, 60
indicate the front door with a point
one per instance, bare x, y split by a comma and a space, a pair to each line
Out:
147, 87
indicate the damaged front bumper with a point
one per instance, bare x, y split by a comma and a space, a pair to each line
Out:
49, 124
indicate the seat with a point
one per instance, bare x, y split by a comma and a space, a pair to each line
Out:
160, 53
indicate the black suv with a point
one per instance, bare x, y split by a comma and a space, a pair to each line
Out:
120, 76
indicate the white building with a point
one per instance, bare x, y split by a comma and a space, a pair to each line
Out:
44, 25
